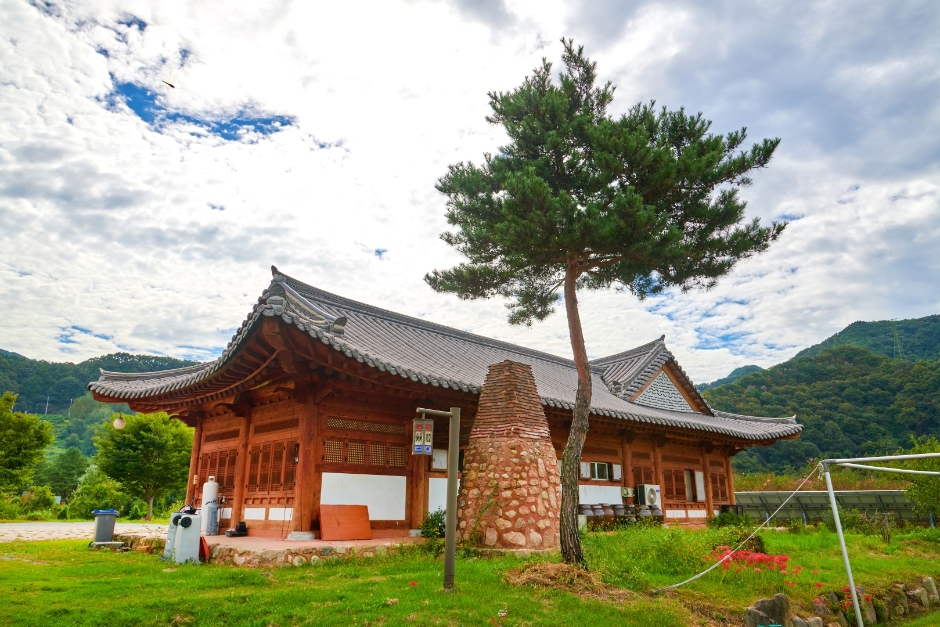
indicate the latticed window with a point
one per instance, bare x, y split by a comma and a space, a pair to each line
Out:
358, 453
333, 452
396, 455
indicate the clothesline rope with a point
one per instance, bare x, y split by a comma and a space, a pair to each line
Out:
744, 542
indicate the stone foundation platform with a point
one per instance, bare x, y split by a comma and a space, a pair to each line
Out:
257, 552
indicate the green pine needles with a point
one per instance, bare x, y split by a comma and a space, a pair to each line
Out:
581, 200
644, 202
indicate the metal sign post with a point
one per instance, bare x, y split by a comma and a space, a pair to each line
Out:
453, 456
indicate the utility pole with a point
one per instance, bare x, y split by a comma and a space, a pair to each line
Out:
47, 407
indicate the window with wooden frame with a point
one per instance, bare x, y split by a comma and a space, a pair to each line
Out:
642, 474
719, 481
364, 453
272, 467
674, 484
642, 462
221, 465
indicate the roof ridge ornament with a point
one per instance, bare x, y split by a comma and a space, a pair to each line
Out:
285, 301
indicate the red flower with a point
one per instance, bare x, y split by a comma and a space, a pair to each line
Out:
818, 585
815, 571
413, 583
789, 583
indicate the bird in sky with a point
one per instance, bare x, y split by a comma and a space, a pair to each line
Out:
170, 84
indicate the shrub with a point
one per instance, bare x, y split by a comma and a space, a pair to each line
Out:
96, 491
434, 525
730, 519
37, 498
135, 510
9, 508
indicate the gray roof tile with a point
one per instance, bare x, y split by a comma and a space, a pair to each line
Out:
442, 356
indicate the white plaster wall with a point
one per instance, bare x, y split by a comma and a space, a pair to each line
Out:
280, 513
254, 513
383, 494
437, 494
592, 494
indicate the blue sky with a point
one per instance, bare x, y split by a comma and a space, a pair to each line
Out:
143, 217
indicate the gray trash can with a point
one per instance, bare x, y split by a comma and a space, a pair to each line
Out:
104, 524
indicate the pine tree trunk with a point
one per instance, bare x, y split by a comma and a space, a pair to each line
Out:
571, 458
149, 508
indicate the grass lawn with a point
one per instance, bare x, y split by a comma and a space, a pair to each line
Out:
64, 583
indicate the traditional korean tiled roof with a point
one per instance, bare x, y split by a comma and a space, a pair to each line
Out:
437, 355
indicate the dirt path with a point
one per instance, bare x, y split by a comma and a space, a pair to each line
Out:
84, 530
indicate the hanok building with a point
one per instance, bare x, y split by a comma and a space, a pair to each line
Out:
312, 403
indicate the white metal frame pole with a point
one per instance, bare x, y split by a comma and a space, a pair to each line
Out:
845, 552
450, 528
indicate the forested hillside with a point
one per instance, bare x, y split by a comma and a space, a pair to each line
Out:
852, 401
914, 339
38, 381
736, 374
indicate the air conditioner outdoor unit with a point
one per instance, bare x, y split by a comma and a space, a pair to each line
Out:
648, 494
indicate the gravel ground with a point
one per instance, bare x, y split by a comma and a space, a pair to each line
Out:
31, 531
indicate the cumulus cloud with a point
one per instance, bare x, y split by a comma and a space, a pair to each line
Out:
156, 159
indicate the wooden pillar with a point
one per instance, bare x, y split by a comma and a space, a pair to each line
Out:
625, 462
730, 475
658, 443
241, 468
419, 489
627, 439
709, 497
307, 483
191, 488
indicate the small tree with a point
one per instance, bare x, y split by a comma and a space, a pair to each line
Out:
149, 456
579, 200
23, 440
924, 492
96, 491
63, 472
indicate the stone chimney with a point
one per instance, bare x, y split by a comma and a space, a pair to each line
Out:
511, 489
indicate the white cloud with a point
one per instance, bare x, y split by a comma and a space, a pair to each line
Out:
109, 240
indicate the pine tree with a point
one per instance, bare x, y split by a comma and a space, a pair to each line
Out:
579, 200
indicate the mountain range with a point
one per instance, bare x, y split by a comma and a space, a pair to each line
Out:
868, 389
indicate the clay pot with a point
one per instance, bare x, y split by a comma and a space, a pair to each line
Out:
609, 514
657, 513
644, 511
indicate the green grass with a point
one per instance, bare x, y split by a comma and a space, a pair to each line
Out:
659, 557
64, 583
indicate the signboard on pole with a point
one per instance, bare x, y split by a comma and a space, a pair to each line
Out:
423, 437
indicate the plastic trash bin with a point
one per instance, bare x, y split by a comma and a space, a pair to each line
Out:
104, 524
